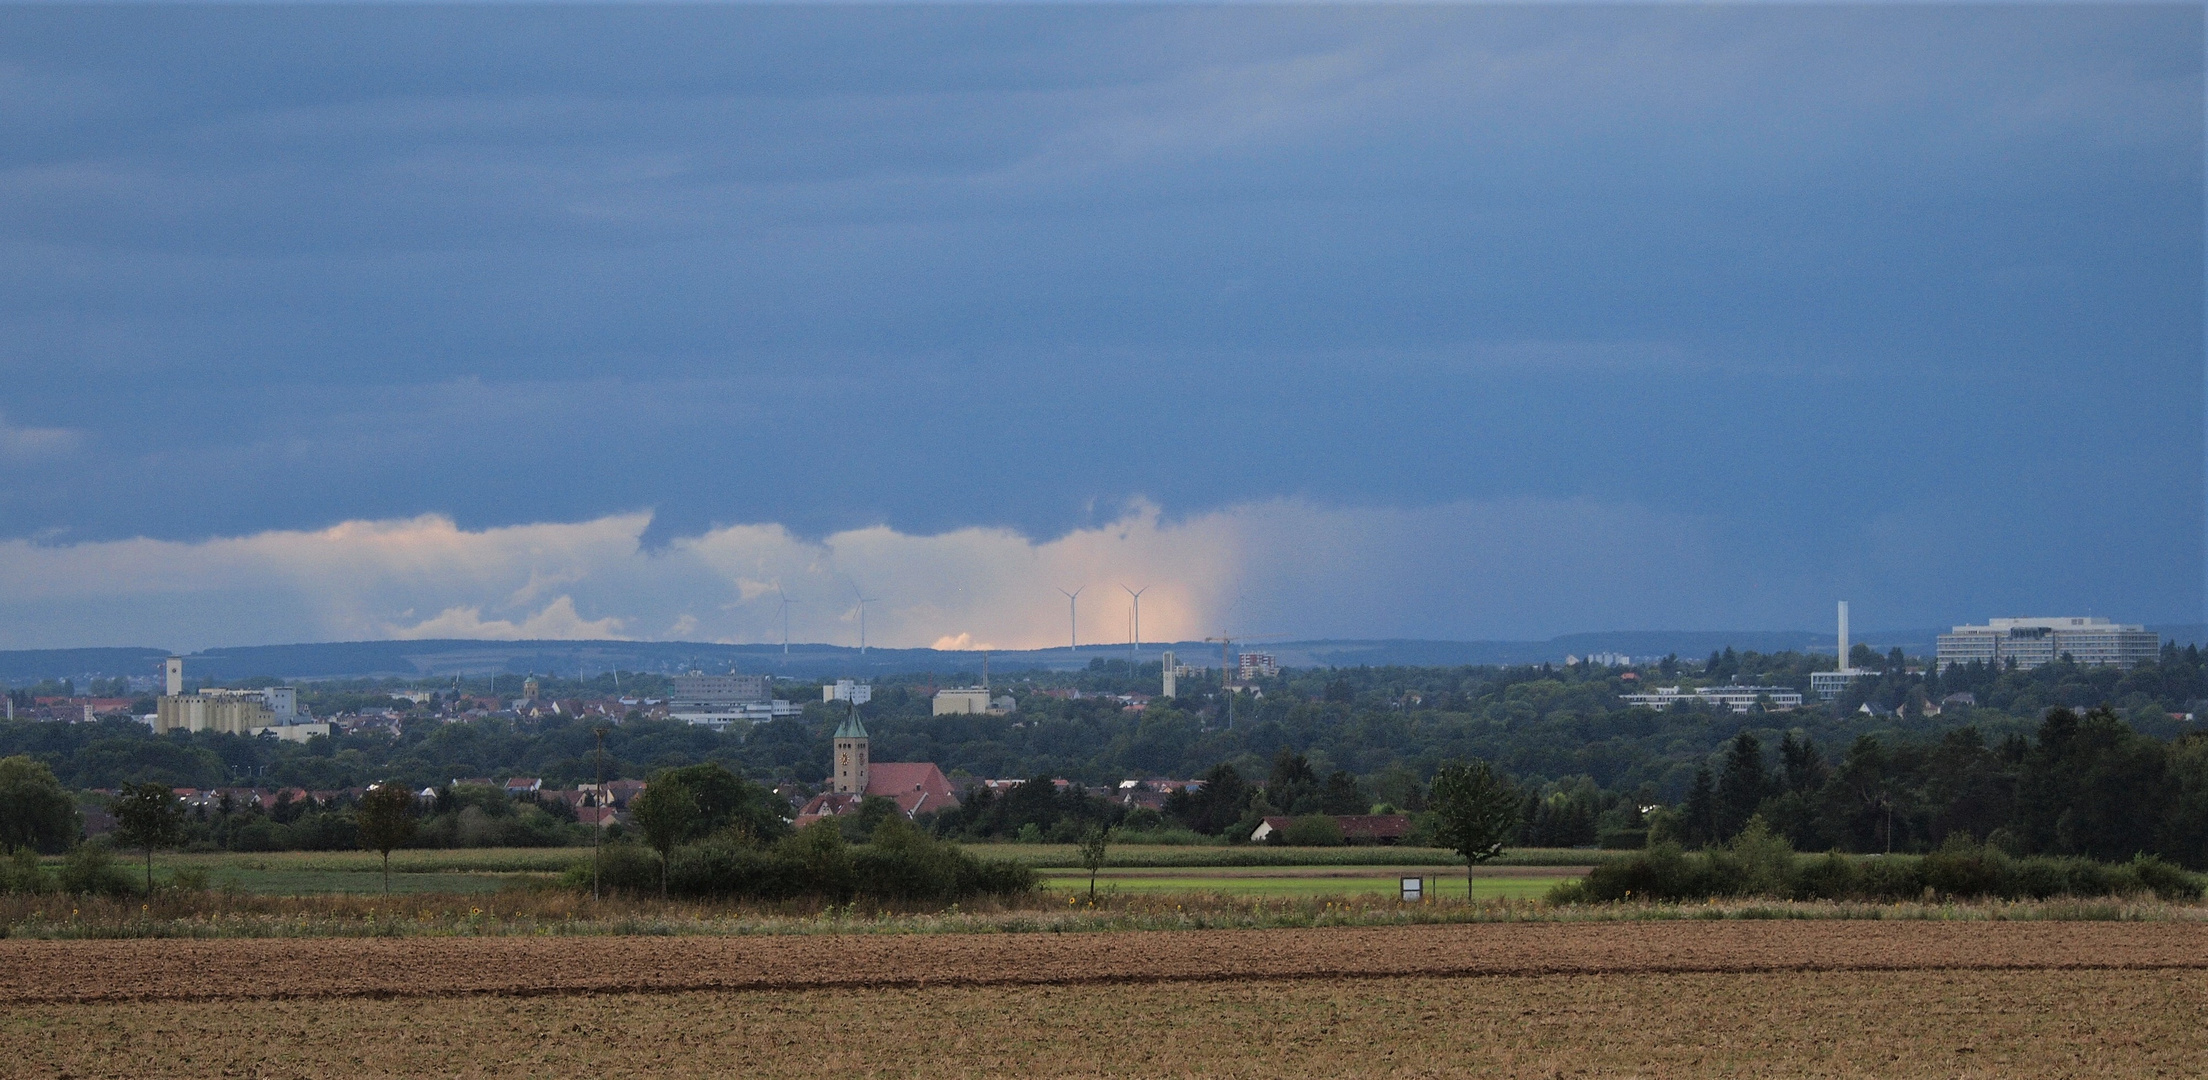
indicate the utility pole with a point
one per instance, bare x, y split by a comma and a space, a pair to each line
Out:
598, 827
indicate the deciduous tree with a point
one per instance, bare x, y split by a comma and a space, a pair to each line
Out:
1475, 812
1092, 847
385, 819
667, 811
148, 816
36, 812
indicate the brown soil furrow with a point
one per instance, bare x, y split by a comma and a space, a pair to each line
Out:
269, 969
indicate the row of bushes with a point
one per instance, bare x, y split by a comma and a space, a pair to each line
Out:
900, 865
1759, 864
90, 869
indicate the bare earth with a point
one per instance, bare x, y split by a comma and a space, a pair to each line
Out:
1593, 999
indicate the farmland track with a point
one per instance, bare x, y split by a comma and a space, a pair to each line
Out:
58, 972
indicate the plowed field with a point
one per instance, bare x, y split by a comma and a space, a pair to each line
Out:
1608, 999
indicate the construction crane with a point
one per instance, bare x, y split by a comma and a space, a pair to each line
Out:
1226, 648
1226, 665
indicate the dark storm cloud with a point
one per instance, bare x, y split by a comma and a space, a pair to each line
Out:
1871, 290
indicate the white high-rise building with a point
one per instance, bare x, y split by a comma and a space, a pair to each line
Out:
2032, 642
851, 690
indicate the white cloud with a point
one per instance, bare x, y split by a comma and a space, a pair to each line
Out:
1288, 567
30, 442
557, 620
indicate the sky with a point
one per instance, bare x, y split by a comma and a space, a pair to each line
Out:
1457, 322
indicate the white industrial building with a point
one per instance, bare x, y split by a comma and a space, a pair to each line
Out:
271, 711
1739, 699
851, 690
723, 701
970, 701
2033, 642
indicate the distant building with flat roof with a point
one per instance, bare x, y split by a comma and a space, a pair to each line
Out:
235, 712
2032, 642
1738, 699
697, 688
970, 701
722, 701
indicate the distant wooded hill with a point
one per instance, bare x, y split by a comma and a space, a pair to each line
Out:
446, 658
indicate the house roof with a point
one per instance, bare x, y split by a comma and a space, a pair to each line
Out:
917, 787
1376, 826
896, 779
1357, 826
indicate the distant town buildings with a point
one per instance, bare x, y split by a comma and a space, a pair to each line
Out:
972, 700
701, 689
1604, 659
851, 690
235, 712
271, 711
722, 701
1252, 665
1738, 699
2033, 642
915, 786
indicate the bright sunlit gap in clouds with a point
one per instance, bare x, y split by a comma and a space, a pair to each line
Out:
1277, 567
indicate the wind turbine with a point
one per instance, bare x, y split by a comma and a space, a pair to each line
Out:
1073, 618
1137, 595
786, 602
863, 601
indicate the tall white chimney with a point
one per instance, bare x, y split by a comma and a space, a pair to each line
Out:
176, 675
1844, 636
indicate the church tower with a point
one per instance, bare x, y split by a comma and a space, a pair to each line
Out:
851, 756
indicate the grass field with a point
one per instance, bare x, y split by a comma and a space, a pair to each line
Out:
1684, 999
310, 873
1062, 856
1306, 881
1240, 870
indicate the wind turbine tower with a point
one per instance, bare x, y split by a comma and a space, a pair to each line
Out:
863, 601
1136, 594
1073, 619
785, 617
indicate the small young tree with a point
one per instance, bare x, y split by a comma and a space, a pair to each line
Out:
385, 819
147, 816
1475, 812
666, 812
1092, 847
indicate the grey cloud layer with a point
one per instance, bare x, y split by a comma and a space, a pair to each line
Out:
1522, 567
1863, 290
